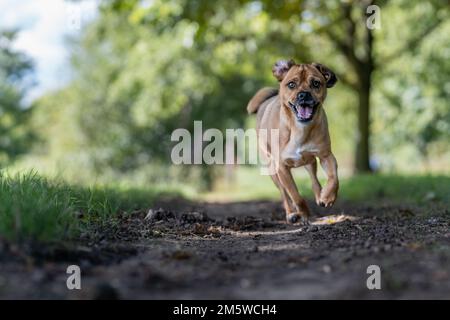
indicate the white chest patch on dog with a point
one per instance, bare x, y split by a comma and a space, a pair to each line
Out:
307, 149
299, 155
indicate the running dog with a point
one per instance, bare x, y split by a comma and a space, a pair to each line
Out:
296, 110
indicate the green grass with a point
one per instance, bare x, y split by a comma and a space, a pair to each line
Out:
397, 188
249, 184
33, 208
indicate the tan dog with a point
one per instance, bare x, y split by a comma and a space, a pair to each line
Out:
296, 111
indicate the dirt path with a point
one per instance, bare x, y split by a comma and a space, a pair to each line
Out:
244, 250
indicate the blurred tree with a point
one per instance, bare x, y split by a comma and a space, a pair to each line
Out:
413, 85
346, 30
150, 82
15, 138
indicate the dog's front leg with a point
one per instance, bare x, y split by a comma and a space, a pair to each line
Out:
287, 181
329, 192
316, 187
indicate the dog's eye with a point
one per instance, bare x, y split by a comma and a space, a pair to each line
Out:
291, 85
316, 83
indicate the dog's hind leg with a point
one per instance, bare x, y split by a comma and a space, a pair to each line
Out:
288, 183
316, 187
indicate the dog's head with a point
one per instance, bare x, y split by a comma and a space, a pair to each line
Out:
303, 87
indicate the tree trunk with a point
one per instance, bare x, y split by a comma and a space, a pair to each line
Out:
364, 70
362, 150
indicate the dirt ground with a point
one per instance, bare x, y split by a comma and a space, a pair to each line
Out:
243, 251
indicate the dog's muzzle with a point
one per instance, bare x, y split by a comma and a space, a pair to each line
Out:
304, 106
304, 111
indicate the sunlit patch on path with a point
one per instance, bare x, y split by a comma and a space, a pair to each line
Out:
332, 219
326, 220
262, 233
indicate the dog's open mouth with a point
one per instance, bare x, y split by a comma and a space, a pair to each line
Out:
304, 112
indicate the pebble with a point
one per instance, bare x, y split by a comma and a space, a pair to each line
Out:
326, 268
150, 215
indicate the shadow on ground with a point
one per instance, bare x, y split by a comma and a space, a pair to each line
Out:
243, 250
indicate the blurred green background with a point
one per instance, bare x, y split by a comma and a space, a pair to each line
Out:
141, 69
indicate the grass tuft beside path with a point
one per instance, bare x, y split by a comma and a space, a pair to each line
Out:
34, 208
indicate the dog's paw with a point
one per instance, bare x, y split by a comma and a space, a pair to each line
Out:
297, 218
292, 217
317, 199
327, 200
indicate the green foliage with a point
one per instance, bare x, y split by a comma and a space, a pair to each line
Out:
142, 70
411, 111
15, 138
134, 85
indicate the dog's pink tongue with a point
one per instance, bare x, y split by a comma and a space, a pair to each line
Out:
305, 112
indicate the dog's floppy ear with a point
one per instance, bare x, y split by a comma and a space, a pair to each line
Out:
329, 75
280, 68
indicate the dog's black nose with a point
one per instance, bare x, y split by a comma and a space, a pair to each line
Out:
304, 96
